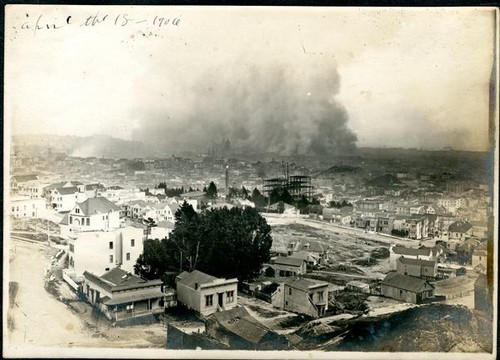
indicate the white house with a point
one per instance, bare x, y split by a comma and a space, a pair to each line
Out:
64, 198
100, 251
422, 253
26, 207
205, 293
94, 214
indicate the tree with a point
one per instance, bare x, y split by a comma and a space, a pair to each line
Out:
244, 192
186, 236
212, 191
151, 263
259, 199
221, 242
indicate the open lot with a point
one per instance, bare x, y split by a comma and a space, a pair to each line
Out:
345, 246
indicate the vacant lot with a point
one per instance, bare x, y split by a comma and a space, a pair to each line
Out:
348, 252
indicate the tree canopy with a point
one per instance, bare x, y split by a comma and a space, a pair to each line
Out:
221, 242
211, 191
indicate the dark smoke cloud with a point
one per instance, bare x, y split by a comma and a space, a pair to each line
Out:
287, 110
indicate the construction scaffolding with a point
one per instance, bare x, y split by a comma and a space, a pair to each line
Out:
296, 185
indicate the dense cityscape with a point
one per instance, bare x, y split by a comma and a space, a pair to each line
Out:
380, 234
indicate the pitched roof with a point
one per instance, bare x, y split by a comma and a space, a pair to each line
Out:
189, 279
304, 284
65, 220
24, 178
410, 261
241, 323
97, 205
406, 282
117, 279
166, 224
67, 190
282, 260
55, 185
461, 226
401, 250
94, 186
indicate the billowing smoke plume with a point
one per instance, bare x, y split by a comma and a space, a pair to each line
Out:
273, 108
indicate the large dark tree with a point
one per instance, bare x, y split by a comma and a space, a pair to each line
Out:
220, 242
211, 191
151, 263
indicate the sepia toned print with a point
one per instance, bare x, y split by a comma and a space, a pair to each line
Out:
252, 182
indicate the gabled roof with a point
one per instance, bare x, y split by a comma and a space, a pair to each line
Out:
190, 279
401, 250
461, 226
65, 220
98, 205
290, 261
241, 323
24, 178
67, 190
55, 185
405, 282
410, 261
304, 284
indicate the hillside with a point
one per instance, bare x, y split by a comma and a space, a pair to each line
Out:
431, 328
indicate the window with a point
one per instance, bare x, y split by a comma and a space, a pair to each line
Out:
230, 296
128, 256
289, 291
320, 296
71, 219
110, 245
88, 221
111, 258
209, 300
132, 242
13, 209
77, 210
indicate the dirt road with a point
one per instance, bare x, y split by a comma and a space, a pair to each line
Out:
40, 320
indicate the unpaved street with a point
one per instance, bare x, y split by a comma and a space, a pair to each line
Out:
37, 319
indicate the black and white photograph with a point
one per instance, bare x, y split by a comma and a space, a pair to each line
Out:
250, 182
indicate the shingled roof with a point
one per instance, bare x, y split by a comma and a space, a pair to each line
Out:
67, 190
241, 323
304, 284
190, 279
401, 250
461, 226
290, 261
410, 261
24, 178
405, 282
99, 205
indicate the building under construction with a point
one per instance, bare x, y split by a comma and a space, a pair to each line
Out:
296, 185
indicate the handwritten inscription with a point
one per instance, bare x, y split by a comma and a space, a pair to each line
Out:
42, 23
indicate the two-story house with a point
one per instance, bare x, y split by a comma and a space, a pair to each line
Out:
305, 296
94, 214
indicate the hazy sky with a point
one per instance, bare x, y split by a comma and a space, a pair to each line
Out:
294, 79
